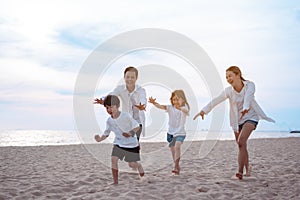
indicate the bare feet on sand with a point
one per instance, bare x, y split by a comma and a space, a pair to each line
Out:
248, 172
239, 175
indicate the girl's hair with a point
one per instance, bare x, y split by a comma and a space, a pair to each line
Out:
111, 100
180, 94
131, 69
236, 70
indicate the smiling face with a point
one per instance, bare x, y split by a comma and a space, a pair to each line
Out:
112, 104
130, 78
112, 110
232, 78
176, 101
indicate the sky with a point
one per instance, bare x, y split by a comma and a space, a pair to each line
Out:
44, 44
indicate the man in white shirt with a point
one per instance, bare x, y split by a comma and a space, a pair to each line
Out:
133, 97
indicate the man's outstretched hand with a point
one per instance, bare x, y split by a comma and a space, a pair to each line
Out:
141, 106
98, 101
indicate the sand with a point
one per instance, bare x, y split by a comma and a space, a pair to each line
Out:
82, 172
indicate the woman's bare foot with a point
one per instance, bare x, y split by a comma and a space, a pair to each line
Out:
239, 175
248, 172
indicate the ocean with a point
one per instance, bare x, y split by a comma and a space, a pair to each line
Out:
72, 137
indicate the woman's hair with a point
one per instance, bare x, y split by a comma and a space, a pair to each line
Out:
131, 69
236, 70
111, 100
180, 94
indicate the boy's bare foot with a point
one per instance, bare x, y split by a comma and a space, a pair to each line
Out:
145, 179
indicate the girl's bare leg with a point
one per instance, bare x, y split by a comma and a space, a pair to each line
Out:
177, 156
172, 149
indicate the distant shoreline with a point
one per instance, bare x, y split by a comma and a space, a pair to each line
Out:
59, 138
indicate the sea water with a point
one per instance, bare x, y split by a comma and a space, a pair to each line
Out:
71, 137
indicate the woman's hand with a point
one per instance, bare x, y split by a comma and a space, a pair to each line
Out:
244, 112
201, 113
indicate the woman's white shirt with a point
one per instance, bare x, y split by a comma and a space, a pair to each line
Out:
238, 103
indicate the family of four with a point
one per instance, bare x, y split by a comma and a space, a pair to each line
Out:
129, 124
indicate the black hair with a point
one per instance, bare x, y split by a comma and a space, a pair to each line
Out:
111, 100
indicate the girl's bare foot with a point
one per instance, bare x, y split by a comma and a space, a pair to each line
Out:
176, 171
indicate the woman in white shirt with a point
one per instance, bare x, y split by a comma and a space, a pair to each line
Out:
244, 113
177, 111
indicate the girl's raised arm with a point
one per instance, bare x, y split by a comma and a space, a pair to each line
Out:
157, 105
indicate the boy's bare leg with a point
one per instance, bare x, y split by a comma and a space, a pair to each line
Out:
114, 169
140, 169
137, 166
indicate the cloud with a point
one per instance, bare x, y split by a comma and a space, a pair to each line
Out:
44, 44
32, 75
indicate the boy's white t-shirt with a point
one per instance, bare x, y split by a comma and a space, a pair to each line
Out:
129, 100
177, 120
123, 124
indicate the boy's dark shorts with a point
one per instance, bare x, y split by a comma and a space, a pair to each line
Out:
248, 121
129, 154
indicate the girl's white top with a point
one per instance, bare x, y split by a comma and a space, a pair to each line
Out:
243, 100
123, 124
177, 120
129, 100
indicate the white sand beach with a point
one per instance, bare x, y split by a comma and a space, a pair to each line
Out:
82, 172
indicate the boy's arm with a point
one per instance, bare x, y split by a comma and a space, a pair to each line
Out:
99, 138
134, 125
132, 132
106, 133
157, 105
